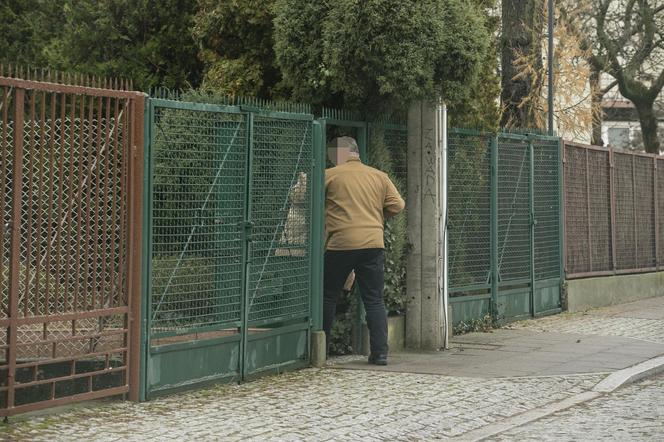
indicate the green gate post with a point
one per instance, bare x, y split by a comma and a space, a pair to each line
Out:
146, 284
246, 252
533, 222
561, 220
362, 140
494, 227
318, 227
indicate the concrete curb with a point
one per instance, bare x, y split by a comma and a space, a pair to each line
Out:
611, 383
631, 374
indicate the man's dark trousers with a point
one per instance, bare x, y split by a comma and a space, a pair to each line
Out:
369, 273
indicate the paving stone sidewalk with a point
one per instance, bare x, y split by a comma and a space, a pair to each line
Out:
642, 320
312, 404
349, 404
634, 412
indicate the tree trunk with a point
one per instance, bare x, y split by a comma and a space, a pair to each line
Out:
522, 22
596, 107
648, 122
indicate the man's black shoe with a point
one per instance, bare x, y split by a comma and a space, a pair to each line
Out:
378, 359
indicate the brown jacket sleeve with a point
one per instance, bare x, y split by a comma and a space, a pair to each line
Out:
393, 203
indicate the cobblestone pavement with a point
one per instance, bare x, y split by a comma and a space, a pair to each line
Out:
634, 320
634, 412
312, 404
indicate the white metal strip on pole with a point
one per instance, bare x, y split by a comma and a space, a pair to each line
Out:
441, 129
445, 236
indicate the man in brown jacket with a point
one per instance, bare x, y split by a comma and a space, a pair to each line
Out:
357, 200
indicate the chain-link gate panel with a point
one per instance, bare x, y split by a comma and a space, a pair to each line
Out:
281, 167
547, 210
199, 176
547, 225
279, 279
196, 220
513, 211
514, 242
230, 221
469, 212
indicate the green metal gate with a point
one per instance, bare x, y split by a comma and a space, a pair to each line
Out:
505, 225
228, 274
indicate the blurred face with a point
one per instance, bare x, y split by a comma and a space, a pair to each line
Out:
338, 155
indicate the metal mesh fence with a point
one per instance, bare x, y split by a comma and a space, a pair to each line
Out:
513, 210
504, 227
598, 207
547, 209
625, 206
576, 213
280, 210
396, 140
199, 177
644, 212
611, 211
64, 241
7, 157
469, 211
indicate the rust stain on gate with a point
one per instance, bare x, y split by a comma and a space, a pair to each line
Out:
71, 186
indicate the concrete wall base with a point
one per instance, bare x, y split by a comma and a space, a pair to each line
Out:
396, 334
588, 293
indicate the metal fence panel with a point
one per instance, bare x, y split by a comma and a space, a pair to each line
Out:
513, 211
280, 210
469, 211
230, 276
598, 171
67, 250
547, 209
504, 199
622, 194
644, 208
576, 210
199, 177
625, 212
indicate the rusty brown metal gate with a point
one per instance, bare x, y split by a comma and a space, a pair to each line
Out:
71, 185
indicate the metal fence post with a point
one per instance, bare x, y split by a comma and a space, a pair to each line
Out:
612, 202
495, 271
14, 271
135, 228
148, 170
656, 211
590, 241
562, 214
318, 226
636, 238
246, 252
533, 222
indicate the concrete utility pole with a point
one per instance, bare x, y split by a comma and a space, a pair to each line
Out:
423, 319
